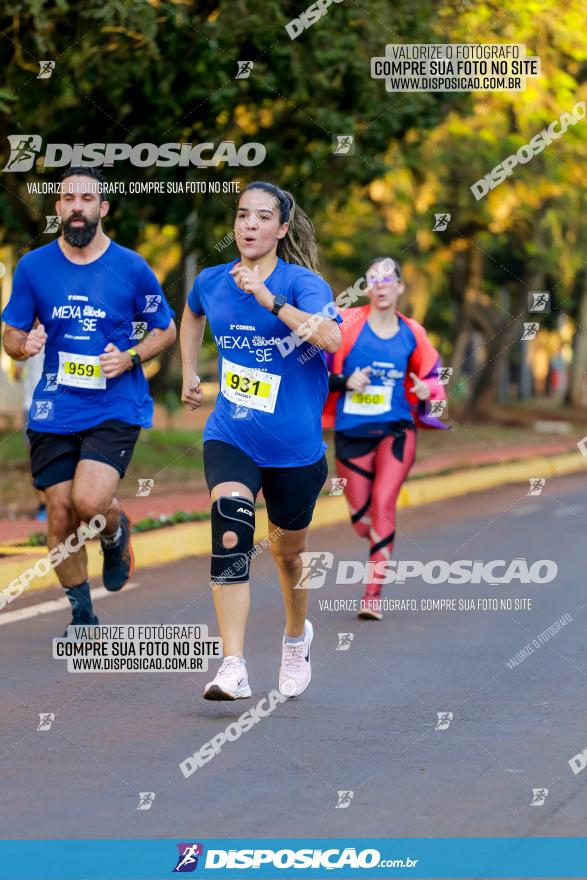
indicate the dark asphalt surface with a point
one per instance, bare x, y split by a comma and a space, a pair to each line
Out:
367, 722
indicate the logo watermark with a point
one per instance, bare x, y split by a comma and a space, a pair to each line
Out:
146, 799
145, 487
537, 484
578, 762
539, 795
139, 330
344, 641
344, 799
443, 375
316, 564
152, 302
342, 301
52, 223
187, 860
244, 69
539, 301
232, 732
530, 331
338, 484
53, 558
441, 222
236, 567
46, 68
46, 720
540, 640
343, 145
140, 648
527, 152
25, 149
443, 720
310, 16
454, 67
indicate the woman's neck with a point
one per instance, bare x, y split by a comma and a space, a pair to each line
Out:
383, 321
383, 317
266, 264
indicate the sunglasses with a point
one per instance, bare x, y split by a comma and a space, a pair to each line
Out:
384, 279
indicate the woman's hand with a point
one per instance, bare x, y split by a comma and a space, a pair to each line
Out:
250, 281
420, 387
358, 380
191, 392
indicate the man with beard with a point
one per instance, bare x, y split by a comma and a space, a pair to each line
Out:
91, 298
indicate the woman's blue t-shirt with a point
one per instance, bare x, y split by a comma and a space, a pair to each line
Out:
271, 392
384, 399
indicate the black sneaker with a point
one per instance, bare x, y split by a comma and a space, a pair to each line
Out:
83, 621
118, 558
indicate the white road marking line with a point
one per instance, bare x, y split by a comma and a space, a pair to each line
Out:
55, 605
523, 509
571, 510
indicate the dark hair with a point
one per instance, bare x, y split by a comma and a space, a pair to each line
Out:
86, 171
396, 266
299, 244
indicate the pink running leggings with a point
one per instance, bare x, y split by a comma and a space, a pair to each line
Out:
373, 484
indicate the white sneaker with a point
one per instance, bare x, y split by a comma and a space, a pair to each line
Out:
231, 681
295, 671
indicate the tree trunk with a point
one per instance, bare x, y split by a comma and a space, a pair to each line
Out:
464, 277
486, 385
502, 331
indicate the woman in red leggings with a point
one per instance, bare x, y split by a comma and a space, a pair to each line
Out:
382, 379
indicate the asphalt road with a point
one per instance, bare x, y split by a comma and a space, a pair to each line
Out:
367, 724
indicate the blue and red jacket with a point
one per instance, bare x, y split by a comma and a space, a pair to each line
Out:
424, 362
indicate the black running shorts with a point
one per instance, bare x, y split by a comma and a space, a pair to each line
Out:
54, 457
290, 493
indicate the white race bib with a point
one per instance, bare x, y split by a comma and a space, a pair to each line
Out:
247, 386
80, 371
373, 401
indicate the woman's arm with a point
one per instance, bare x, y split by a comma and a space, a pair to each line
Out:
315, 329
356, 381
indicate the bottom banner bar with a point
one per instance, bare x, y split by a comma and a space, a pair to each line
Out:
372, 858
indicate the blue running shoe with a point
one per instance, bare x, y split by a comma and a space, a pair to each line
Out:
118, 558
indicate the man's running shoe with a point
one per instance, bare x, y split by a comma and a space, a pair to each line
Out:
118, 558
83, 621
231, 681
295, 671
370, 608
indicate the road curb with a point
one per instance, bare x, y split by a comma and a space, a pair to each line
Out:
193, 539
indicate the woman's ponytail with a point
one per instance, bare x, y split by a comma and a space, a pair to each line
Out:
299, 245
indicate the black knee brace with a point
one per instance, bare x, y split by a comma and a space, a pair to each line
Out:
231, 566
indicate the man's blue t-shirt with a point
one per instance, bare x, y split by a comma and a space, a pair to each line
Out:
271, 392
384, 399
117, 299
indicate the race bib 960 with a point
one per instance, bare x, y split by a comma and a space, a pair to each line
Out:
373, 401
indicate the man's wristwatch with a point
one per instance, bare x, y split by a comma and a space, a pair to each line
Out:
134, 356
278, 303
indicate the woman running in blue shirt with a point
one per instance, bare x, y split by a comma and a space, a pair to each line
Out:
383, 377
265, 430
